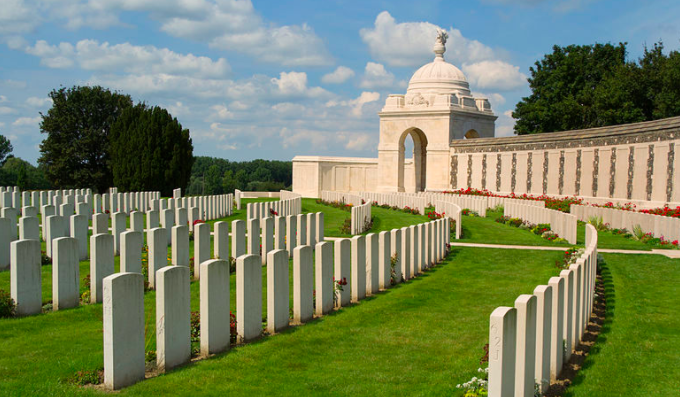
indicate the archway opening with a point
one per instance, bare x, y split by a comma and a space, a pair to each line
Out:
471, 134
412, 161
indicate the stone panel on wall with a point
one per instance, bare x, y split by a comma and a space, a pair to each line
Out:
586, 179
506, 172
570, 171
521, 173
660, 172
553, 173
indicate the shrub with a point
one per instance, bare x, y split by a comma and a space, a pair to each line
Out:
346, 227
433, 215
597, 222
7, 305
394, 261
44, 259
469, 212
87, 377
232, 265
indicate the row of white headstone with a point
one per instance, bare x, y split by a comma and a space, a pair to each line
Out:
563, 224
361, 218
451, 211
274, 208
659, 225
530, 343
26, 286
401, 200
341, 197
365, 261
111, 202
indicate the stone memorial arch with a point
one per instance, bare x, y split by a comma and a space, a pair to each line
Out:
437, 108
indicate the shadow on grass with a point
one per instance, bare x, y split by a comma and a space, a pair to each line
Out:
594, 337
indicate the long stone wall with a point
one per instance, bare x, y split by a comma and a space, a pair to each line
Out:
627, 163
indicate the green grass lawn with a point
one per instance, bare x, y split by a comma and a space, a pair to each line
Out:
488, 231
637, 352
385, 219
422, 337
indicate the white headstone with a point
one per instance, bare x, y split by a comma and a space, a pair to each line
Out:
215, 302
158, 252
201, 246
324, 277
123, 321
278, 301
25, 277
342, 271
358, 268
248, 297
180, 246
502, 339
303, 284
101, 264
65, 273
131, 252
173, 317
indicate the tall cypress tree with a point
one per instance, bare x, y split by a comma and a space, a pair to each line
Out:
150, 151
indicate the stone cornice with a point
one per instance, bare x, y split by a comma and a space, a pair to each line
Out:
649, 131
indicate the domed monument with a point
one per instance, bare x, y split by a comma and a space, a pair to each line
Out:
438, 107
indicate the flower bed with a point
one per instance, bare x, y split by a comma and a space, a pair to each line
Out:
554, 203
542, 229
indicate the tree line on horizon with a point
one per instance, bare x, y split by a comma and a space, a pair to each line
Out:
211, 175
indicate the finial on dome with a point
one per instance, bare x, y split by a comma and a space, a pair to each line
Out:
440, 44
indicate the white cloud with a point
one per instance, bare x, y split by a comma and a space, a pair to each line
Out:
223, 24
505, 124
356, 105
289, 109
125, 57
495, 98
178, 109
25, 121
496, 75
220, 112
376, 76
358, 142
17, 17
410, 43
6, 110
39, 102
3, 98
295, 84
338, 76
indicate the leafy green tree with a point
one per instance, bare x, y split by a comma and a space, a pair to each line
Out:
76, 152
563, 85
150, 151
18, 172
5, 149
589, 86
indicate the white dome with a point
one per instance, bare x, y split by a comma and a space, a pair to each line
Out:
439, 76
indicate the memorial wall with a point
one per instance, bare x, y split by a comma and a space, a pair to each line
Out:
624, 163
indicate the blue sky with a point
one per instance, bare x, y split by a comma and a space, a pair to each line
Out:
274, 79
